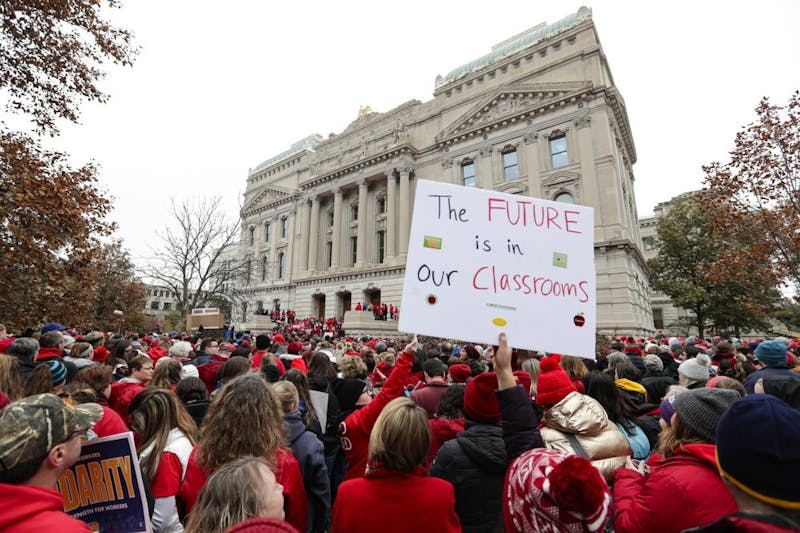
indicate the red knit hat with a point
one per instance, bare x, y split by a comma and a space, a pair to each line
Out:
553, 384
460, 373
278, 339
480, 402
550, 490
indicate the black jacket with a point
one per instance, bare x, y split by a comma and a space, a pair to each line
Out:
475, 463
308, 451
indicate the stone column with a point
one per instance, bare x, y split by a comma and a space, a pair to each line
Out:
532, 146
313, 235
391, 217
591, 192
305, 231
361, 253
336, 241
405, 212
275, 228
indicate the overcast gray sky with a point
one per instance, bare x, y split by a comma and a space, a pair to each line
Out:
221, 86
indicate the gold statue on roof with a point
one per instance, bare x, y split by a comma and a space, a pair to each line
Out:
364, 110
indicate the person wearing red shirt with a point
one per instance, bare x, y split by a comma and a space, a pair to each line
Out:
395, 494
41, 439
166, 434
245, 419
356, 428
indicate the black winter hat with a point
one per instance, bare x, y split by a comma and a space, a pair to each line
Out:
701, 409
758, 449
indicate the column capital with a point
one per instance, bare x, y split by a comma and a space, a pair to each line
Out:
389, 172
337, 191
361, 182
583, 121
406, 171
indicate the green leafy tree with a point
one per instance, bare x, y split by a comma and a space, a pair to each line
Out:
713, 276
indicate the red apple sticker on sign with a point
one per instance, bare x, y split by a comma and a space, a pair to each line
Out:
578, 320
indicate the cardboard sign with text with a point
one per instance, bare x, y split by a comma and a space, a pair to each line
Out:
481, 262
104, 488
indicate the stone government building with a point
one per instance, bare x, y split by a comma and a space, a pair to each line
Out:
326, 223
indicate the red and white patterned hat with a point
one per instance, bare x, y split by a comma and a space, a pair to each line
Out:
551, 491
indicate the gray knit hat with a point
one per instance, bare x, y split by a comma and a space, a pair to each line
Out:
653, 363
701, 409
696, 368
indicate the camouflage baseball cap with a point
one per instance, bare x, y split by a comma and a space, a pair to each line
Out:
32, 426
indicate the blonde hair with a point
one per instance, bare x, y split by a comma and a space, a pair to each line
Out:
353, 366
401, 437
287, 396
573, 366
234, 493
531, 366
677, 434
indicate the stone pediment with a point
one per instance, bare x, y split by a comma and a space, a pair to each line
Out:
267, 196
511, 102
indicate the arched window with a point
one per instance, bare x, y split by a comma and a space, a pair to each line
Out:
280, 265
266, 231
565, 198
252, 238
284, 227
264, 268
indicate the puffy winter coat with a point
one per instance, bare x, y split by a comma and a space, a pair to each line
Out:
475, 462
683, 491
582, 416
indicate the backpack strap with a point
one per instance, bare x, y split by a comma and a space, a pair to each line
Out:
576, 446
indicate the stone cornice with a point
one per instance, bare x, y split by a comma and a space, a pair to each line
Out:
531, 103
404, 149
617, 104
350, 276
513, 58
629, 247
252, 209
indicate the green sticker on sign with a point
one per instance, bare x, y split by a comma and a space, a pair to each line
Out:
432, 242
559, 260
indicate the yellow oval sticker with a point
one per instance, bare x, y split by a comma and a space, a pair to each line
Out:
499, 321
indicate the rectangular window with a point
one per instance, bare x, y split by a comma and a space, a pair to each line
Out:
266, 231
281, 263
154, 306
252, 235
381, 245
382, 205
329, 253
354, 213
263, 268
284, 227
558, 151
353, 250
510, 165
658, 318
167, 306
468, 174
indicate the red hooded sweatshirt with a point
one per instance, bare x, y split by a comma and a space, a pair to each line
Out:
30, 509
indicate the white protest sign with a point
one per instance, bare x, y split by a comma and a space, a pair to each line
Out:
481, 262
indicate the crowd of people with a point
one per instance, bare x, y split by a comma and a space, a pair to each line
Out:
306, 429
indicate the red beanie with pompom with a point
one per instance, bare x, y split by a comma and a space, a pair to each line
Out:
553, 384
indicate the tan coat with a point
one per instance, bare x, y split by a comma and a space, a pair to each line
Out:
583, 416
